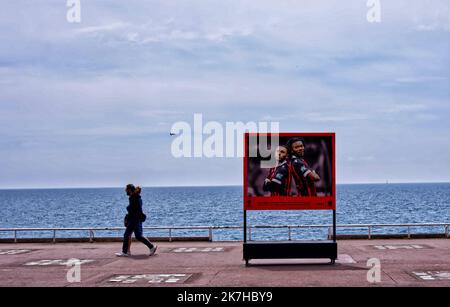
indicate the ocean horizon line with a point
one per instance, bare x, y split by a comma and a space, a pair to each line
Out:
204, 186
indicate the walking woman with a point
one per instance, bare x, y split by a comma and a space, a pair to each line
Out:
133, 222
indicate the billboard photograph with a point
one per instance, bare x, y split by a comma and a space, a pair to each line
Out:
289, 171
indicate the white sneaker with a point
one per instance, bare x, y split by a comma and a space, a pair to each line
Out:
153, 250
122, 254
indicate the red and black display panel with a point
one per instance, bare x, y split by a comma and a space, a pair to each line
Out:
289, 171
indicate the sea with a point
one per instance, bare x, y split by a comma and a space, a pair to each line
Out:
222, 206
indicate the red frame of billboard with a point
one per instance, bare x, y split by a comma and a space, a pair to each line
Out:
290, 202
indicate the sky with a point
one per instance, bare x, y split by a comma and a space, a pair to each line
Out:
91, 104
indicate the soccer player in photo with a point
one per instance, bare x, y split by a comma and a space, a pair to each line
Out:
278, 180
304, 176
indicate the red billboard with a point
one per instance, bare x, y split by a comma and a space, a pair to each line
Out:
289, 171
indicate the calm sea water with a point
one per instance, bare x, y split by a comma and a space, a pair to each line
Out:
219, 206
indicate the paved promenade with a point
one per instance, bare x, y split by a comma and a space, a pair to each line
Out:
415, 262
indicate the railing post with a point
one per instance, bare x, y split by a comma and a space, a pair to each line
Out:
409, 233
91, 236
54, 235
370, 232
289, 232
210, 234
446, 231
170, 234
15, 236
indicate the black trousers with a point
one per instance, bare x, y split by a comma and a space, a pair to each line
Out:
136, 227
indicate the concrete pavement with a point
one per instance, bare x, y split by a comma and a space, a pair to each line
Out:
415, 262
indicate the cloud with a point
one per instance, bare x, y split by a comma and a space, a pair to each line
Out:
102, 28
130, 70
397, 108
324, 117
364, 158
435, 17
421, 79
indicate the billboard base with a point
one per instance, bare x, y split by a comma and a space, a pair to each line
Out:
290, 250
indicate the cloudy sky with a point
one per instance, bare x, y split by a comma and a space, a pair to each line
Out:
92, 103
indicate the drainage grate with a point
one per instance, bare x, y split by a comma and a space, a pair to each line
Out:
151, 279
432, 275
198, 250
14, 251
401, 246
64, 262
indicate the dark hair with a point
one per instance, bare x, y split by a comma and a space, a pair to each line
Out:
134, 189
292, 141
131, 187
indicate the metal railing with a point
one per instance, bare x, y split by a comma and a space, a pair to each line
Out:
92, 231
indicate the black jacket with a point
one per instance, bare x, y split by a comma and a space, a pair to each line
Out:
135, 207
